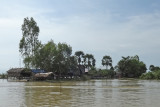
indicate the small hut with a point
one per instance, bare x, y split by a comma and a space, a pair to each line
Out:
19, 73
117, 74
76, 71
44, 76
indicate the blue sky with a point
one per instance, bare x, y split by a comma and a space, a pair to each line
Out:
101, 27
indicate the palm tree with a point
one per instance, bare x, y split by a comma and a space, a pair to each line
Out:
93, 62
89, 60
80, 55
107, 61
151, 67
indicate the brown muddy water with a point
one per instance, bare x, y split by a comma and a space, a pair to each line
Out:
93, 93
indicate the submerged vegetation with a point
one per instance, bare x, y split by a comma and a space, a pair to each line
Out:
58, 58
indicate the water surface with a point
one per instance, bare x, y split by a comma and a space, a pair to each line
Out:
93, 93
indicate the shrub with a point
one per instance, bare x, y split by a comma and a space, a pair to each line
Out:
85, 77
157, 74
148, 75
151, 75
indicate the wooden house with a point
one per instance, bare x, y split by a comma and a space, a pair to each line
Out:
78, 71
19, 74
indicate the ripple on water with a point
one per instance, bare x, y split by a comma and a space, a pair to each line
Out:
94, 93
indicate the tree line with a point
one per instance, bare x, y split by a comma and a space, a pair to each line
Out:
58, 58
3, 76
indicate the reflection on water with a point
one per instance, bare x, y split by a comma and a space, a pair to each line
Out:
93, 93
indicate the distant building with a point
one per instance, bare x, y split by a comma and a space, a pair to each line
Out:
81, 69
77, 71
118, 74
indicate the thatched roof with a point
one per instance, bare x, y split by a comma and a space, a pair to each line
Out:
15, 70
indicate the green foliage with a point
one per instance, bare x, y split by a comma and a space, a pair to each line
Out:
151, 75
63, 57
89, 61
27, 61
157, 74
55, 58
79, 55
45, 57
148, 75
107, 61
154, 68
131, 66
3, 76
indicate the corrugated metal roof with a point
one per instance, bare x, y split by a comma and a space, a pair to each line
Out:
37, 71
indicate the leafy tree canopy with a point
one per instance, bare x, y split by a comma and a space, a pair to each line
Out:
107, 61
79, 55
154, 68
131, 66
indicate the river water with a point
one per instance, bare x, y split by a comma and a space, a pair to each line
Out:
93, 93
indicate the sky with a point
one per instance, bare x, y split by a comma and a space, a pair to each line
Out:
100, 27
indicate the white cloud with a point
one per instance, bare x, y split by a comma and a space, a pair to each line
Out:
98, 33
138, 35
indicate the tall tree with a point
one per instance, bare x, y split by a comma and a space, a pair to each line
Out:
54, 58
45, 57
63, 57
29, 41
107, 61
79, 55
